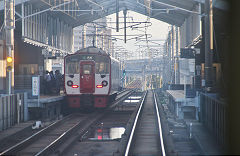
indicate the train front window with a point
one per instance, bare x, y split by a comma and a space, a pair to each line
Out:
102, 65
72, 66
87, 69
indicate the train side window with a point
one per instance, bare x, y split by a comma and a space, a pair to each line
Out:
101, 67
97, 67
87, 69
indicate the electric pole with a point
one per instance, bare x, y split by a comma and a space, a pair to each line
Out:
9, 25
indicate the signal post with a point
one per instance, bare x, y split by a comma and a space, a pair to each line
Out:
9, 25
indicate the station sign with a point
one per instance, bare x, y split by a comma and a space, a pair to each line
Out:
35, 86
87, 57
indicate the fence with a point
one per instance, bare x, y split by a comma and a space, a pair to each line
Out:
13, 109
213, 113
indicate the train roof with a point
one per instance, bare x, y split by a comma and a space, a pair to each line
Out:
116, 60
91, 50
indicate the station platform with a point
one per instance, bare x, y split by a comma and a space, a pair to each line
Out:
202, 142
204, 139
47, 107
45, 99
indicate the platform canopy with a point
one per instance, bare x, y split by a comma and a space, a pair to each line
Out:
170, 11
79, 12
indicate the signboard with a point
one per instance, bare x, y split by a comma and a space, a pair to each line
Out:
187, 53
35, 86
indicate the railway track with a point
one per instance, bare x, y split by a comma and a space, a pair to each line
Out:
145, 137
48, 139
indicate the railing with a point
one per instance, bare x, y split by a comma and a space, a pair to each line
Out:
12, 109
213, 113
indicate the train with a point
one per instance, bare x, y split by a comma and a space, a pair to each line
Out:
91, 78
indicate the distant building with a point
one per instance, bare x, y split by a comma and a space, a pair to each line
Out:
93, 34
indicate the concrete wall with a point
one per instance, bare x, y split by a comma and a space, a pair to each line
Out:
13, 109
2, 68
28, 58
191, 29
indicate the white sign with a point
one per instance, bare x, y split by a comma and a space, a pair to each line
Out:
35, 86
203, 83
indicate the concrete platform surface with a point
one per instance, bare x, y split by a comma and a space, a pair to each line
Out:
205, 140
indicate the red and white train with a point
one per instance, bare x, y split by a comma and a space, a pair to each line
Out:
92, 78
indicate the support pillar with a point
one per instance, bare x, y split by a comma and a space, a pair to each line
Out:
208, 45
173, 57
117, 15
177, 57
125, 25
169, 58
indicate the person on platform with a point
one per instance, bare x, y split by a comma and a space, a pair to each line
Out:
52, 84
58, 79
47, 81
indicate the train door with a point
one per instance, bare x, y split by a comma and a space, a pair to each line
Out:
87, 77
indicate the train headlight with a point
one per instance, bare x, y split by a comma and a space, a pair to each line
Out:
74, 86
99, 86
69, 83
104, 83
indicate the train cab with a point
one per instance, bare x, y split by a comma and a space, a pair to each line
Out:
88, 78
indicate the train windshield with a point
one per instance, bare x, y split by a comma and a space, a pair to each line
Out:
102, 67
72, 63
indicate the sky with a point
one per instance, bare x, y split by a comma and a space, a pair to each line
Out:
158, 30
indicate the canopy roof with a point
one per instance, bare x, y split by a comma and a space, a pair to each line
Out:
79, 12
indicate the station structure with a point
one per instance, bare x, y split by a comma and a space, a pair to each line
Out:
191, 70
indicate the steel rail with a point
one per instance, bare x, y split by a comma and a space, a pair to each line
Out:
19, 146
159, 125
135, 123
134, 126
39, 133
85, 126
